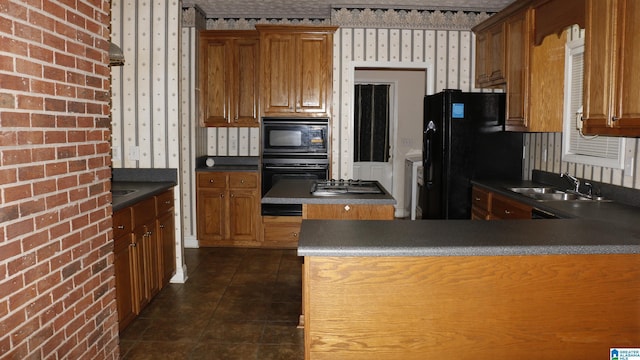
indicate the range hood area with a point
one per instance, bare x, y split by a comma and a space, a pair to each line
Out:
116, 57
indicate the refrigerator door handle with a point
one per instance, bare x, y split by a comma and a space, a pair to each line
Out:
428, 144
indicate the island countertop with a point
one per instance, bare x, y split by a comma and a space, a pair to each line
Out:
289, 191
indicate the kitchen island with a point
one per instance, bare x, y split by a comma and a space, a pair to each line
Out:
521, 289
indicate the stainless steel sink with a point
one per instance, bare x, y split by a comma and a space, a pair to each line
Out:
553, 194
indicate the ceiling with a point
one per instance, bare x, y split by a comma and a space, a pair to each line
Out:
321, 9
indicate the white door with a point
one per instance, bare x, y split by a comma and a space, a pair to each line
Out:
378, 170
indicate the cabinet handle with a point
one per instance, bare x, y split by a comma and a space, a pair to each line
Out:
133, 244
121, 227
615, 118
211, 181
221, 195
242, 181
161, 226
347, 208
477, 199
168, 202
295, 234
507, 212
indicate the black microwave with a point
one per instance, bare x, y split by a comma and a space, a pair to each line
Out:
295, 136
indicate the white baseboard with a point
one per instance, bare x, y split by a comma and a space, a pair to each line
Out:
191, 242
181, 275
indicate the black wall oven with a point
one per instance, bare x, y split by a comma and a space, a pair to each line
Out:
293, 149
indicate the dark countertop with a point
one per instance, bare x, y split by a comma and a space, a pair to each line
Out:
299, 192
228, 163
144, 183
587, 227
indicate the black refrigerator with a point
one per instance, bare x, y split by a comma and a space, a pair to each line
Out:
464, 139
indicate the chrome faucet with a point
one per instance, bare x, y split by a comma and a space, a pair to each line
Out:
574, 180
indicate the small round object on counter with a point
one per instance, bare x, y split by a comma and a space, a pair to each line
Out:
210, 162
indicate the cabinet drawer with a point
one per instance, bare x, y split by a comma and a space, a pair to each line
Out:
122, 222
164, 202
480, 198
212, 180
281, 230
243, 180
504, 208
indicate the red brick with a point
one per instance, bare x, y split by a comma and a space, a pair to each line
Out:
43, 154
31, 207
44, 187
51, 312
53, 342
77, 107
35, 240
40, 336
9, 250
54, 9
65, 90
24, 331
46, 220
76, 78
87, 150
56, 169
28, 68
55, 137
42, 87
7, 101
13, 82
8, 138
8, 176
55, 105
65, 60
54, 73
16, 10
66, 152
6, 26
32, 172
18, 192
43, 120
32, 275
30, 137
10, 119
15, 45
21, 297
6, 62
18, 229
47, 283
30, 102
9, 212
80, 222
16, 157
48, 251
67, 182
85, 65
41, 20
61, 260
40, 53
27, 32
76, 136
67, 121
57, 199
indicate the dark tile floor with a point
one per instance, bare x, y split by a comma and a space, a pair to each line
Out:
236, 304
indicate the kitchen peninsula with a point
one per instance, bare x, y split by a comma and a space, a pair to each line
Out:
544, 289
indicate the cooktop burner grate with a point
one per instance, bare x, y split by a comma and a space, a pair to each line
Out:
342, 187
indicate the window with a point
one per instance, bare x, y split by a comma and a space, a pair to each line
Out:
596, 150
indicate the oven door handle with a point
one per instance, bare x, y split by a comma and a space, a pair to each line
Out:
296, 167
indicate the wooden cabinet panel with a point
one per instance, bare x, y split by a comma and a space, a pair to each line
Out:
281, 231
348, 211
504, 208
228, 208
229, 78
123, 264
611, 44
517, 34
490, 56
296, 74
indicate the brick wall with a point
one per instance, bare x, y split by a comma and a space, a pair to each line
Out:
57, 297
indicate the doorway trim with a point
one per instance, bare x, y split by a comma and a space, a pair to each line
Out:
348, 93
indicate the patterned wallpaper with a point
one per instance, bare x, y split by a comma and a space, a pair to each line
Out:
155, 93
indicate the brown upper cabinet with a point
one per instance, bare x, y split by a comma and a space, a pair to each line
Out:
296, 70
229, 79
490, 47
611, 85
532, 58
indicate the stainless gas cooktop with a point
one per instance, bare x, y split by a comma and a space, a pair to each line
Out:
345, 187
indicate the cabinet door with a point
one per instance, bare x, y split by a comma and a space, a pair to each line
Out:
165, 230
505, 208
278, 72
482, 58
598, 72
245, 100
497, 54
216, 84
212, 215
243, 215
314, 68
141, 292
123, 263
627, 105
152, 252
517, 37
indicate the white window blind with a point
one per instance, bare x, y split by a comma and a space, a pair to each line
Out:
591, 150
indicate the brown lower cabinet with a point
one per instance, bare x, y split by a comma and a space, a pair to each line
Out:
144, 253
488, 205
